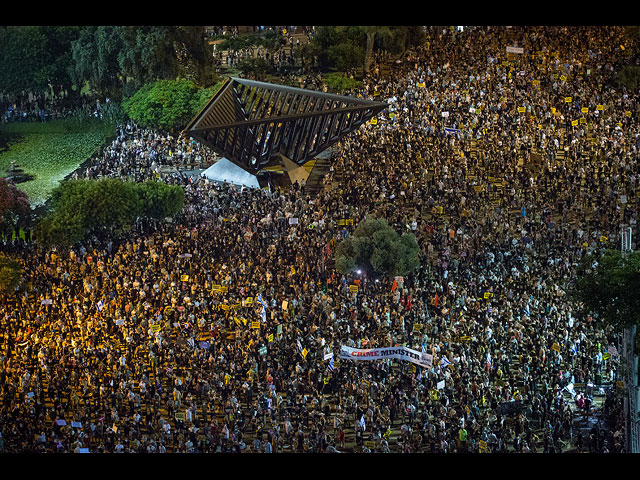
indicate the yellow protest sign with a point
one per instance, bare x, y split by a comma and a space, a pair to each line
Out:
417, 327
271, 337
184, 278
488, 295
305, 352
585, 110
373, 121
353, 288
567, 99
627, 113
249, 300
255, 324
600, 107
555, 347
574, 123
521, 109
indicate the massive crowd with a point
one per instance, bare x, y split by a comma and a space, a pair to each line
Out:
214, 332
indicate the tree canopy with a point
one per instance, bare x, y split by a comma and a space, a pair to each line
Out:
82, 207
14, 206
167, 104
378, 249
607, 285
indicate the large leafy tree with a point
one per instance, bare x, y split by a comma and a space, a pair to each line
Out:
607, 285
161, 200
95, 58
82, 207
14, 207
378, 249
166, 104
23, 60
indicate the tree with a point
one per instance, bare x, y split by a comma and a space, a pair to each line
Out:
607, 285
161, 200
109, 205
23, 60
166, 104
14, 207
376, 248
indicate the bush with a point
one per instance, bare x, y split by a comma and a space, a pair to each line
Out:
376, 248
81, 207
167, 104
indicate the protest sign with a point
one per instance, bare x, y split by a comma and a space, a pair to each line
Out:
397, 353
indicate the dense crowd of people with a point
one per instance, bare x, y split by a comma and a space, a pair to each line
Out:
221, 330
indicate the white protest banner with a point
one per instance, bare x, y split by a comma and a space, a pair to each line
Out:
515, 50
293, 220
328, 356
440, 385
397, 353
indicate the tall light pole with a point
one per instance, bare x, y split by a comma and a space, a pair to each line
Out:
632, 391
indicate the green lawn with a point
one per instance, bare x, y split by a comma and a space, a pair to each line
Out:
49, 151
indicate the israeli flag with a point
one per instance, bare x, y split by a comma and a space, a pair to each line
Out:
264, 308
448, 130
299, 345
526, 311
191, 342
100, 305
489, 359
331, 364
444, 362
574, 349
364, 428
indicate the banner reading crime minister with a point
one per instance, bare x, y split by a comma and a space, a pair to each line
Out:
397, 353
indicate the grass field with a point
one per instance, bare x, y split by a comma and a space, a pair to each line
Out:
49, 151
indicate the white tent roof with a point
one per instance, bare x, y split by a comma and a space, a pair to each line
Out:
226, 171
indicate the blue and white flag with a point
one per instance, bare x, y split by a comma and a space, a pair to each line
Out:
299, 345
574, 349
526, 311
191, 342
264, 307
100, 305
489, 359
331, 364
444, 362
448, 130
364, 428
